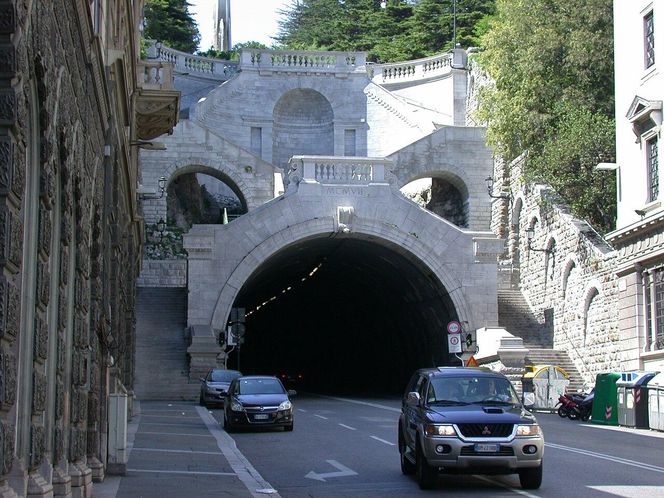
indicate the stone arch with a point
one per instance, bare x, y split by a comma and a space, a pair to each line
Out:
591, 293
303, 124
155, 208
570, 264
515, 227
449, 197
311, 228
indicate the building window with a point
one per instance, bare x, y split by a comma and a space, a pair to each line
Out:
654, 296
349, 143
257, 141
653, 169
649, 39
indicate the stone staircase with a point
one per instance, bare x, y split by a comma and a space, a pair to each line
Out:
162, 370
515, 315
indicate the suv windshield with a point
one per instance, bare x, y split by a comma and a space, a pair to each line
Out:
465, 390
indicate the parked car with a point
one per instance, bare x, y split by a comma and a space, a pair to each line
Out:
258, 401
467, 420
214, 386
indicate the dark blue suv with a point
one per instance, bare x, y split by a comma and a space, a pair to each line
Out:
470, 421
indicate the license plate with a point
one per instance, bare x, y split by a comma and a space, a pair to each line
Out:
261, 416
487, 448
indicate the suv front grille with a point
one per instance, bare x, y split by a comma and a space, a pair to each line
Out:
502, 451
486, 430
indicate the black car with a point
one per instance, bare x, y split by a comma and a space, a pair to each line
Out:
467, 420
258, 401
214, 386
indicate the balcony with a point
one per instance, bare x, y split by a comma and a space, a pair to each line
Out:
157, 102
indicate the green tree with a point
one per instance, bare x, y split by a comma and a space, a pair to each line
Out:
169, 21
552, 63
399, 30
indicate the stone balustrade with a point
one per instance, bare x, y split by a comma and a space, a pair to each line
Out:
302, 61
195, 65
416, 70
155, 75
338, 170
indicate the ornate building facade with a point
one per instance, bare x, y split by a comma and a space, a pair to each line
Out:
76, 103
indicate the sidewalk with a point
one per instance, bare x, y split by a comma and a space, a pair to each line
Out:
178, 449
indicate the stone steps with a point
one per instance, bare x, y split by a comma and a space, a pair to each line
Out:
559, 358
515, 316
162, 370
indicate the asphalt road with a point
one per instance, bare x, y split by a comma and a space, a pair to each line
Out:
344, 447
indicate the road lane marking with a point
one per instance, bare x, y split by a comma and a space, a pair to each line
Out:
302, 410
365, 403
161, 450
348, 427
167, 416
169, 424
382, 440
506, 486
174, 434
635, 491
343, 471
320, 416
610, 458
188, 472
246, 472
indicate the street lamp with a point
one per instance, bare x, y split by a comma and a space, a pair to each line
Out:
530, 234
489, 187
161, 226
162, 186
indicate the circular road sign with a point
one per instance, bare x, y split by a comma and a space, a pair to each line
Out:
454, 327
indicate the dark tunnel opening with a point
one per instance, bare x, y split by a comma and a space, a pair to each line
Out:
354, 316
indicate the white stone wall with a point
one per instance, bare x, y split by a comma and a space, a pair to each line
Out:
222, 257
163, 273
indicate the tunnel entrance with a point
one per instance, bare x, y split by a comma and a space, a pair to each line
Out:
352, 315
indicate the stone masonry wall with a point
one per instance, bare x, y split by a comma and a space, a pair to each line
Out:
163, 273
572, 288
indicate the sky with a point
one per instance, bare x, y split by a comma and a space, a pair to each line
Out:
251, 20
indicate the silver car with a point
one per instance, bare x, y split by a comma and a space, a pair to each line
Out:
214, 387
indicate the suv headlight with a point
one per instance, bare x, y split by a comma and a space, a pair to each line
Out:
439, 430
210, 390
236, 407
529, 430
285, 405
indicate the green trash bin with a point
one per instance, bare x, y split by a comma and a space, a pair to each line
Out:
605, 403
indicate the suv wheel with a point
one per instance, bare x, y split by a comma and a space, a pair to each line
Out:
227, 424
426, 474
531, 478
407, 466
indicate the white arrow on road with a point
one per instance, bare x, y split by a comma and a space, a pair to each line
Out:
343, 471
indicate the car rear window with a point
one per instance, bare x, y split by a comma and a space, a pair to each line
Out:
224, 375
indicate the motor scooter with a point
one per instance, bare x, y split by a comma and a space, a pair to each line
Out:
575, 405
583, 409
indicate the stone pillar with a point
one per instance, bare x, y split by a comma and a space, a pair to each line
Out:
203, 352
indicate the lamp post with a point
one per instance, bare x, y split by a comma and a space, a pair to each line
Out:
530, 234
489, 187
161, 226
161, 183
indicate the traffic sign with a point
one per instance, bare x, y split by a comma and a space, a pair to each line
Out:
454, 343
454, 327
472, 362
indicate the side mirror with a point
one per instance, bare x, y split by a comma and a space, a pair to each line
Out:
201, 379
292, 392
413, 398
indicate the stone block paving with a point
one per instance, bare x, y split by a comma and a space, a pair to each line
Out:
177, 449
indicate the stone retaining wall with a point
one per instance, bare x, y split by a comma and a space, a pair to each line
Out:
163, 273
